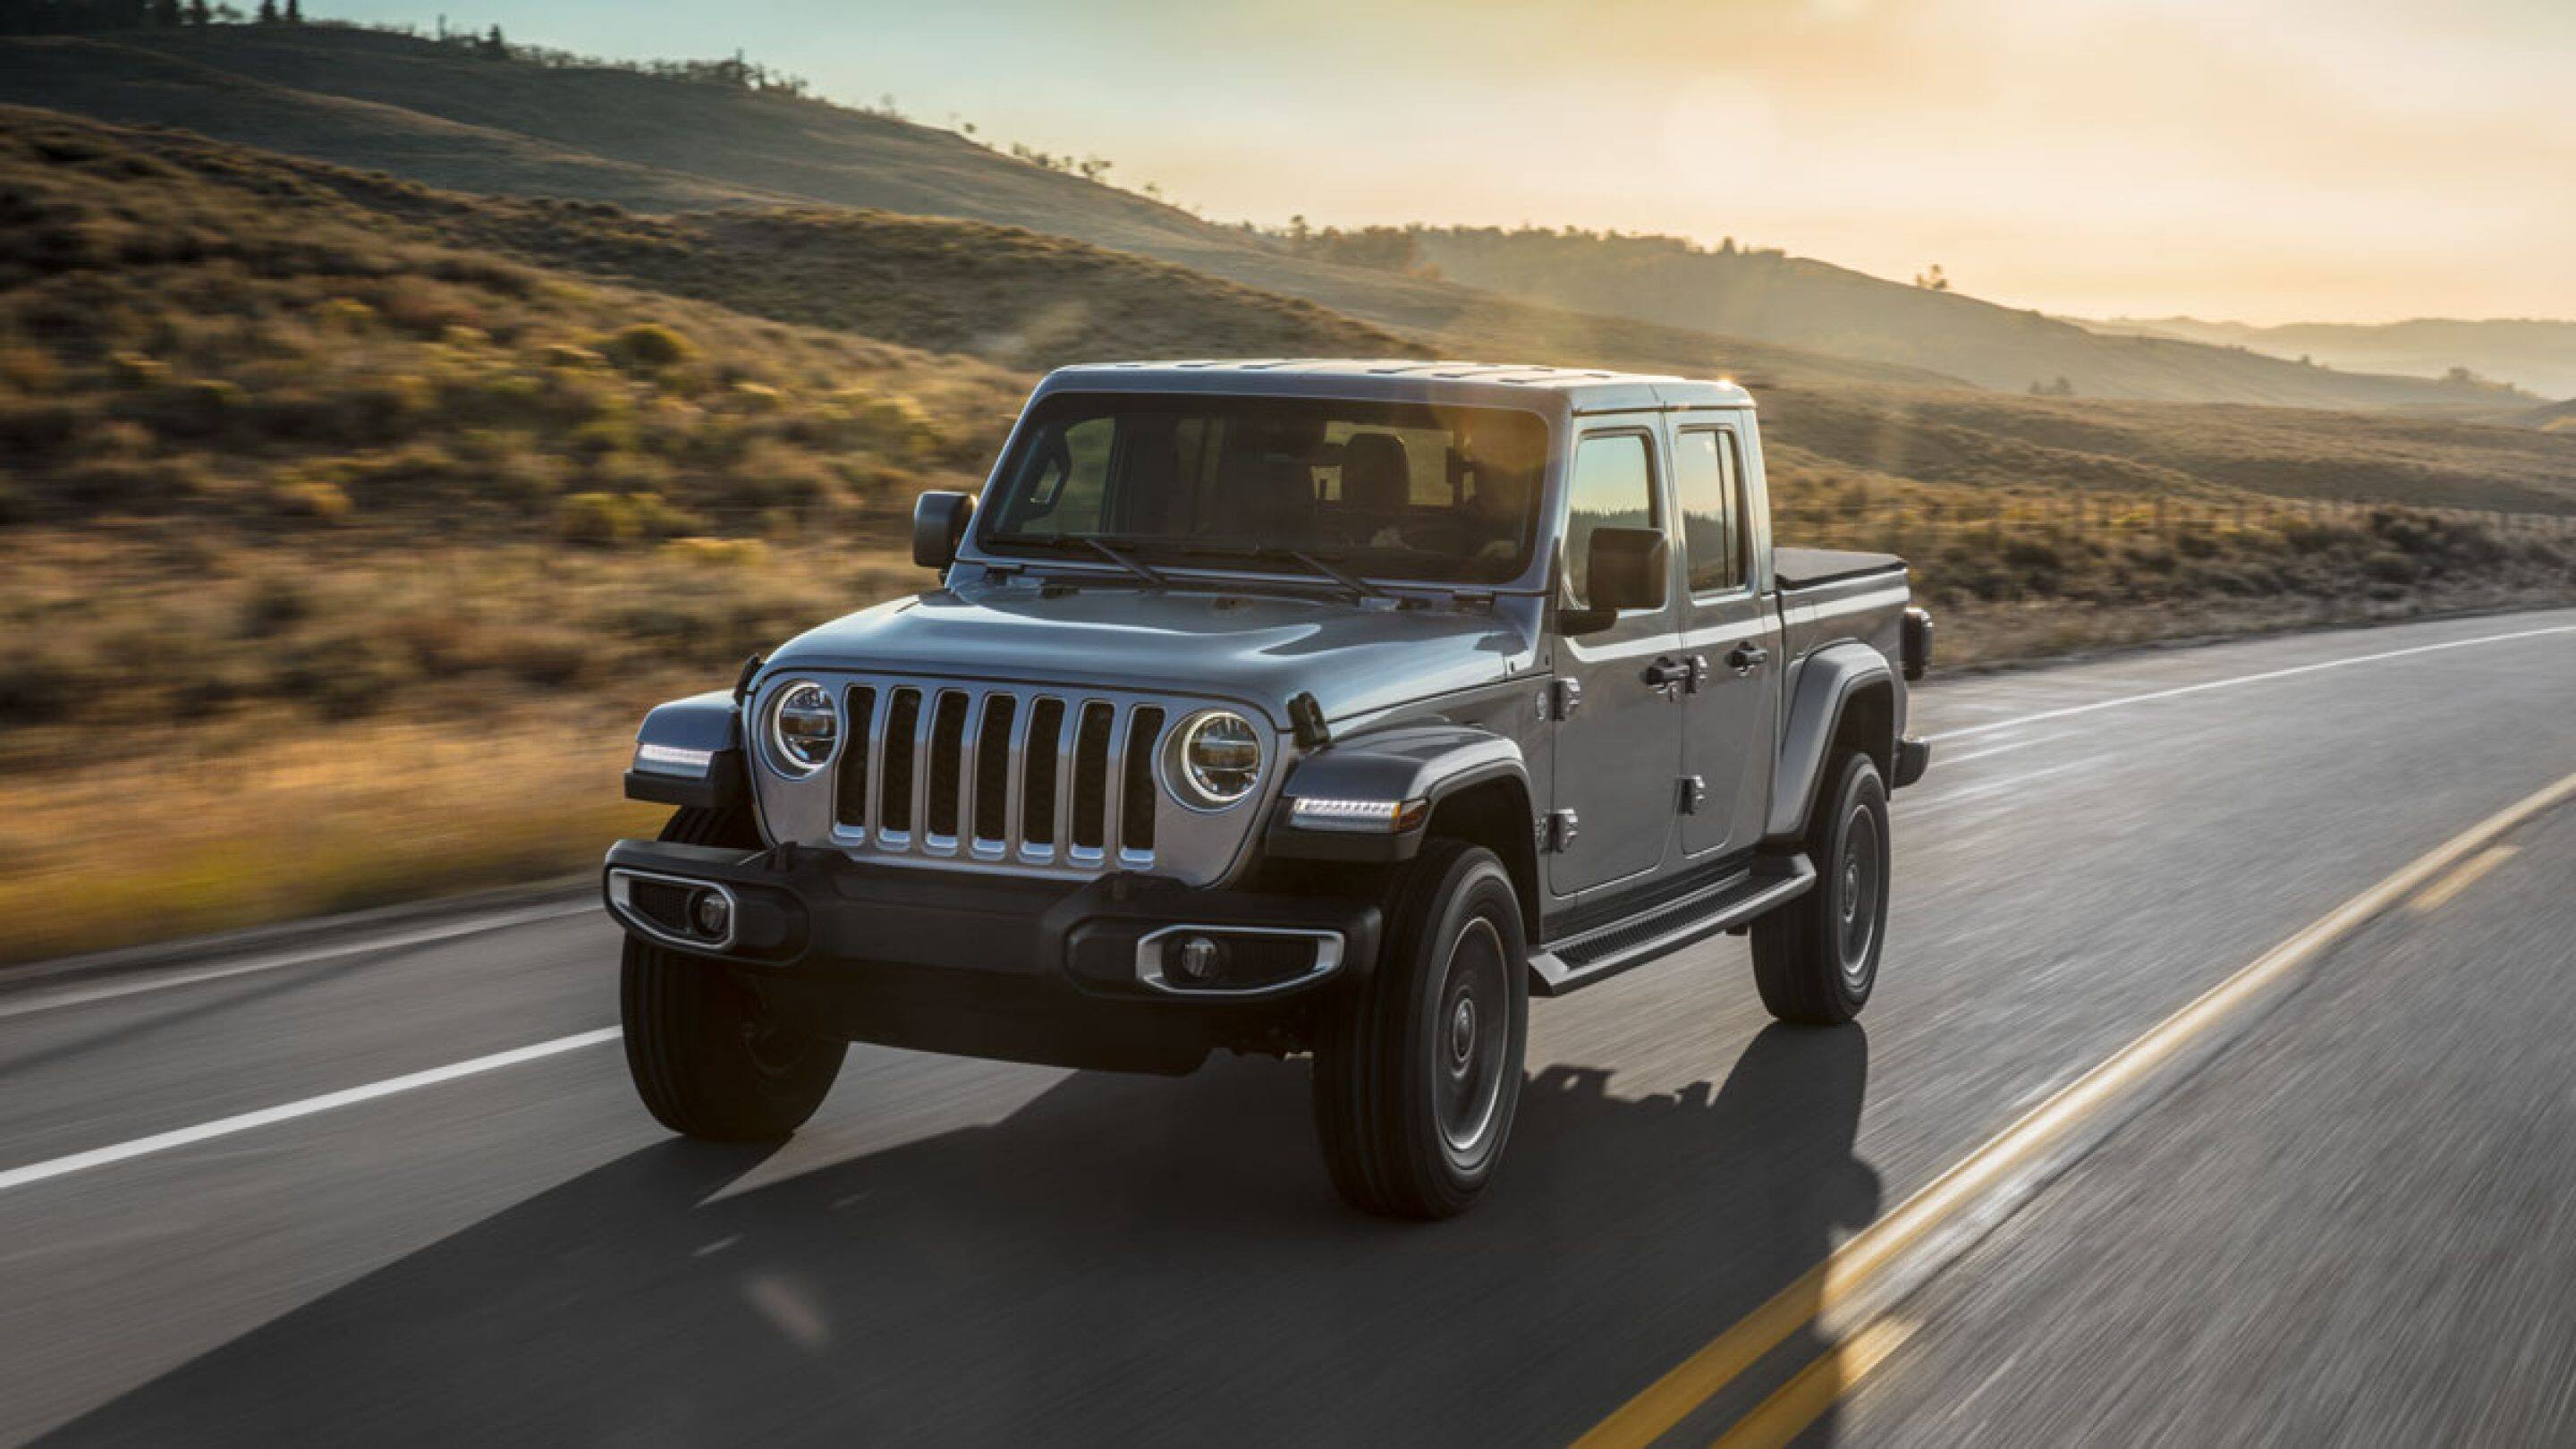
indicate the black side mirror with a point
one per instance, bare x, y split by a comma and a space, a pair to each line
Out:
1623, 569
938, 525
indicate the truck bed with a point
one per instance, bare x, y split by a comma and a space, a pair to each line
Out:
1807, 568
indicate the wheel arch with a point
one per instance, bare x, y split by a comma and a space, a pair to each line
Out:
1845, 700
1475, 781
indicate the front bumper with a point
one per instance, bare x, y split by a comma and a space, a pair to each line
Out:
986, 965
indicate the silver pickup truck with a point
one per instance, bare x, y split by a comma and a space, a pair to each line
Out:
1325, 708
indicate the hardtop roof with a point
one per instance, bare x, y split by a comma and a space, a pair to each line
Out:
1404, 379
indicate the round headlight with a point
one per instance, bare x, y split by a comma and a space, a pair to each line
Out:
1217, 756
804, 728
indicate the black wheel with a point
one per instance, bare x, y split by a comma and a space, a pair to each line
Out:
704, 1059
1418, 1065
1816, 958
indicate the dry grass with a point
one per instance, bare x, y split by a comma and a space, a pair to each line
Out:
194, 833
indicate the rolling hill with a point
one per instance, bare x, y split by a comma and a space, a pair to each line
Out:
1798, 302
443, 116
2534, 354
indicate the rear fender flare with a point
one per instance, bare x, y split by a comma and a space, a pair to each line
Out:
1829, 682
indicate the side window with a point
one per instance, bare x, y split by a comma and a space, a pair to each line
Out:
1612, 486
1708, 486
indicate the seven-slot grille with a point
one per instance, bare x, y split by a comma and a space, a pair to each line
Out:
1000, 775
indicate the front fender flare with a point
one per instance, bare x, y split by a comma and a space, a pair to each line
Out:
690, 752
1410, 762
1828, 682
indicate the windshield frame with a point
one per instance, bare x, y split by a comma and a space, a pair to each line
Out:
978, 548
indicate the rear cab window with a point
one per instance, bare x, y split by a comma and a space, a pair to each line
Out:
1708, 488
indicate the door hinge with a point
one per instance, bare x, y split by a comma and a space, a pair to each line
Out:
1560, 699
1694, 794
1556, 832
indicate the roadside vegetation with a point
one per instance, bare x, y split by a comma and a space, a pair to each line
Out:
349, 524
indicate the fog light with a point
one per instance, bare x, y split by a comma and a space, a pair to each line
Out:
712, 914
1195, 958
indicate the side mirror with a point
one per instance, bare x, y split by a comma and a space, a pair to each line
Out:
1623, 569
938, 525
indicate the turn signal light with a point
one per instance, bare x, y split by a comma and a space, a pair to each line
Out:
1382, 816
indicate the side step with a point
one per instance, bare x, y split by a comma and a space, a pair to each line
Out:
1605, 951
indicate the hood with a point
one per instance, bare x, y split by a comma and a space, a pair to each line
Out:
1256, 648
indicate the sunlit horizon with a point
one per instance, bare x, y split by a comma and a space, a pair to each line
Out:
2321, 162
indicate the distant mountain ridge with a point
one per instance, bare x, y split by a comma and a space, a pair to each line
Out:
1799, 302
2537, 354
433, 113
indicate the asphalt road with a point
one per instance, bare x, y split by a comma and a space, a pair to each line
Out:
2355, 1221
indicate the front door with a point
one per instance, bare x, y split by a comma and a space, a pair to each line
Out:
1731, 635
1618, 733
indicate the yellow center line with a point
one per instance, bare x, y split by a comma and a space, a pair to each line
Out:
2439, 893
1798, 1403
1869, 1254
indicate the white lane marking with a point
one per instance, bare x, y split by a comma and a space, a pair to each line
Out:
266, 1116
2206, 685
1930, 805
2006, 748
38, 1000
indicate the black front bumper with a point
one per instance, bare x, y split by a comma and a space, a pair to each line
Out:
986, 965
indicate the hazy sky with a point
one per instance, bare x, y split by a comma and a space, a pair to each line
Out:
2270, 160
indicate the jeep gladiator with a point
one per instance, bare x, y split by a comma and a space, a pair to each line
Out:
1322, 708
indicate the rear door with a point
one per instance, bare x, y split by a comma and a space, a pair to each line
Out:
1618, 747
1730, 632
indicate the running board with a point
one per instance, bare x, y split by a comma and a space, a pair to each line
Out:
1605, 951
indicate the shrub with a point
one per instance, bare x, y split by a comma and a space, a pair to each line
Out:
648, 345
2392, 568
113, 484
549, 658
345, 314
133, 369
717, 553
36, 429
37, 686
658, 519
344, 675
274, 605
193, 408
596, 520
891, 421
427, 309
310, 498
29, 369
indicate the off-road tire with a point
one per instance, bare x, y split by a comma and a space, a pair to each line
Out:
705, 1061
1816, 958
1403, 1071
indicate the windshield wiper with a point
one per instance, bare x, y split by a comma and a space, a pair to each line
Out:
1113, 548
1117, 553
1316, 563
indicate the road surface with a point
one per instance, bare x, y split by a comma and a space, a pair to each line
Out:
451, 1221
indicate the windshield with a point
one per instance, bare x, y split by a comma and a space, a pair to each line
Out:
1385, 490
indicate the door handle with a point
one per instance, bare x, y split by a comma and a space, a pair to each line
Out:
1668, 673
1743, 657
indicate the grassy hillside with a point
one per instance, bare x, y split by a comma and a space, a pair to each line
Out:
367, 517
2536, 355
445, 117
